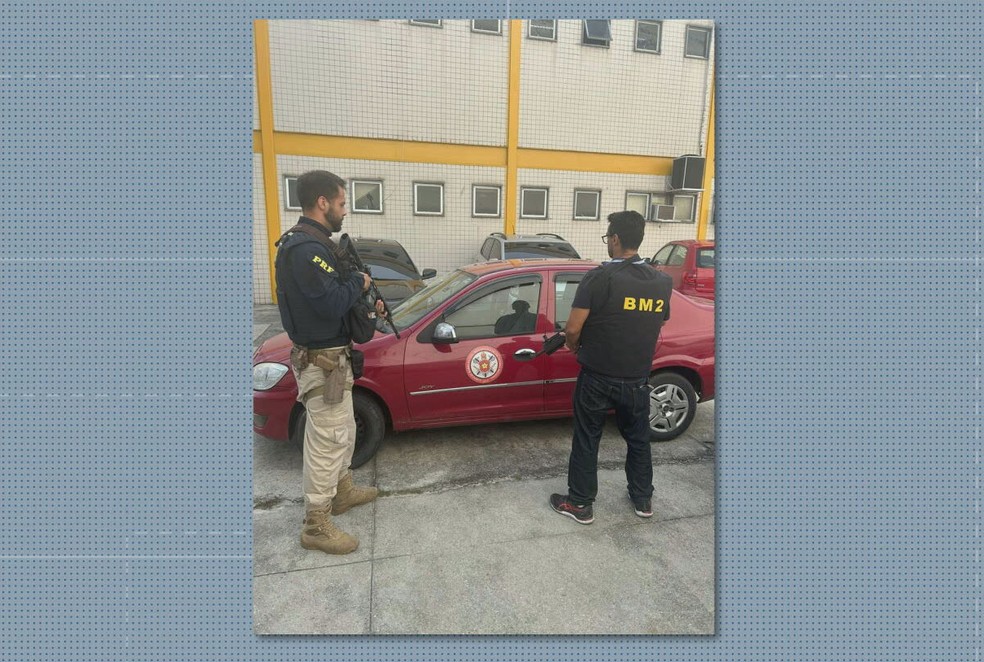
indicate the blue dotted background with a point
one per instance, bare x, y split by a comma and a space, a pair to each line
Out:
849, 218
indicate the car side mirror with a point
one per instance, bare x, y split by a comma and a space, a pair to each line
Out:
428, 273
655, 263
444, 334
647, 260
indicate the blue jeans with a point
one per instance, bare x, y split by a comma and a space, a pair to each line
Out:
594, 395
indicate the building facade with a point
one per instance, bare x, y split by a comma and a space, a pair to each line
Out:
449, 130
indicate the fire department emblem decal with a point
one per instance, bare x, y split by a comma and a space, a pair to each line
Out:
483, 365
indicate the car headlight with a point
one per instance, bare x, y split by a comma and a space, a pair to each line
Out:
266, 375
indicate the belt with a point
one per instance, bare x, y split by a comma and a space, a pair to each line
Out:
324, 350
325, 344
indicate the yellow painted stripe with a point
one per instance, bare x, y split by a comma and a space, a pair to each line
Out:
624, 164
341, 147
705, 196
267, 144
512, 131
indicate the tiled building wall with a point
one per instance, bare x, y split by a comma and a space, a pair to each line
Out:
393, 80
615, 99
390, 79
449, 241
261, 265
585, 236
438, 242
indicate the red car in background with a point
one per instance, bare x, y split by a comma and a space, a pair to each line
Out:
690, 264
465, 356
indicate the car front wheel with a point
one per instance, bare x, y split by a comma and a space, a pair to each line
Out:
672, 406
370, 426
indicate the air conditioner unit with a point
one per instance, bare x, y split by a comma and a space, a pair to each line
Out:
661, 212
688, 173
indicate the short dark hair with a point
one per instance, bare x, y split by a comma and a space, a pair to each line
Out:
630, 227
316, 183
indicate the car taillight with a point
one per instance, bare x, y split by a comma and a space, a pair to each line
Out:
690, 278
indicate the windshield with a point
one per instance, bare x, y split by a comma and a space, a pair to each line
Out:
422, 302
520, 250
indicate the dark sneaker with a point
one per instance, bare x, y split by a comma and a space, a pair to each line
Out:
563, 505
643, 508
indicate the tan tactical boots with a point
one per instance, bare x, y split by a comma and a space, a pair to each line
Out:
320, 533
319, 530
349, 495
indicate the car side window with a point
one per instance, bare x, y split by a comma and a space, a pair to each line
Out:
506, 310
705, 258
663, 255
487, 248
678, 258
564, 289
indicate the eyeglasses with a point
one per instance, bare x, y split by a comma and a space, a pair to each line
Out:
604, 237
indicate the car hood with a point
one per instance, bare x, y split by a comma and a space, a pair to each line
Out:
277, 349
274, 350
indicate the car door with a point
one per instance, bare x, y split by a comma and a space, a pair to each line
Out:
704, 263
662, 257
561, 366
478, 378
675, 265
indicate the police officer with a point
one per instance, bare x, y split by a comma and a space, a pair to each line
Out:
616, 316
315, 293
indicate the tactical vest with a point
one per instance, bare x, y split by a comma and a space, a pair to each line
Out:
619, 338
302, 324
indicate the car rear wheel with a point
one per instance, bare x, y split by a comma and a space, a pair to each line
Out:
370, 427
672, 406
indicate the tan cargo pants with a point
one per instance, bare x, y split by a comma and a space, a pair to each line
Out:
329, 436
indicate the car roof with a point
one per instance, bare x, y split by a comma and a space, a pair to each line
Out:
520, 266
381, 242
545, 238
691, 242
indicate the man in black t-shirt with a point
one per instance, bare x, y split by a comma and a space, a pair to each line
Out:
615, 320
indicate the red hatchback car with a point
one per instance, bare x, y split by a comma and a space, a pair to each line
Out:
464, 357
690, 264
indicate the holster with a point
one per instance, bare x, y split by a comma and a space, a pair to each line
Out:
299, 358
334, 363
358, 362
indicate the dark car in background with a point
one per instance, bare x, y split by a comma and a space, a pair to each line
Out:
395, 273
499, 246
690, 263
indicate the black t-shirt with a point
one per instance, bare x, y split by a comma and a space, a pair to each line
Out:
628, 303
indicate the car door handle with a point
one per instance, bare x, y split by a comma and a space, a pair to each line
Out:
524, 352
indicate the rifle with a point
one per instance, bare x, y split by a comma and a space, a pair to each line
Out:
347, 248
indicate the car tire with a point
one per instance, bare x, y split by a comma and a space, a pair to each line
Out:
297, 423
672, 406
370, 425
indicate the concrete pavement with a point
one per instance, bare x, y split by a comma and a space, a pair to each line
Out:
462, 540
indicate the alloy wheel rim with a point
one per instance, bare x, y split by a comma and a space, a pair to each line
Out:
668, 407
